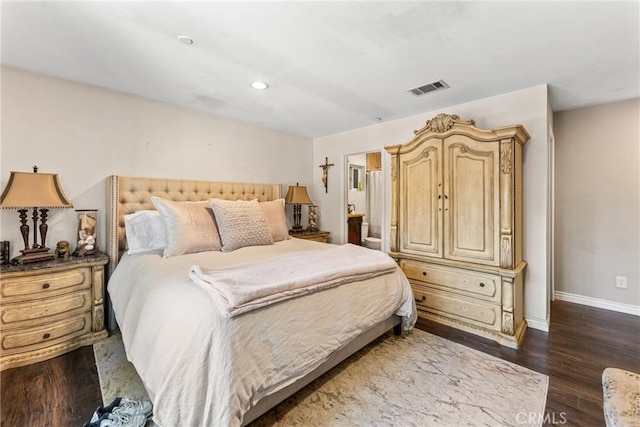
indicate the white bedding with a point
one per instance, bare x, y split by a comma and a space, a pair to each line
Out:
202, 368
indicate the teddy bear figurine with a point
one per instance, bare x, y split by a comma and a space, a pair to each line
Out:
62, 249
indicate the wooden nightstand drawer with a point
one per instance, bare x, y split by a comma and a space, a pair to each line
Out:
44, 311
40, 285
482, 285
29, 339
316, 236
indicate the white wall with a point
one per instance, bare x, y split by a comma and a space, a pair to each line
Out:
527, 107
597, 199
85, 134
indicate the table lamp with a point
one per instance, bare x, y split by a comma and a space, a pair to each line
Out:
297, 195
40, 191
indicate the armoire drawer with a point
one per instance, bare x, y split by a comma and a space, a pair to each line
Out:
29, 339
466, 282
45, 284
483, 314
44, 311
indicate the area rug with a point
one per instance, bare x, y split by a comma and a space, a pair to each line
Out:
418, 379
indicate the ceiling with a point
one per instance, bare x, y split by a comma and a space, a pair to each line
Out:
331, 66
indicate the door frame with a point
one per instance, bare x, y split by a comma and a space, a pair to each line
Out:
385, 210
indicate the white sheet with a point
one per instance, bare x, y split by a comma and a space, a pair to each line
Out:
202, 368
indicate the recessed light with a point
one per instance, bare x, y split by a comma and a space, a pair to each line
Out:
185, 40
259, 85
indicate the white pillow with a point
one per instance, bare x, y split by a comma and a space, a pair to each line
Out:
190, 226
276, 219
240, 223
145, 231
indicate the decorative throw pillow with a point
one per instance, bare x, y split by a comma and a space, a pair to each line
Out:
276, 219
145, 231
190, 227
240, 223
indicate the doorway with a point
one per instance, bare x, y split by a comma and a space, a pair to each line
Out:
364, 190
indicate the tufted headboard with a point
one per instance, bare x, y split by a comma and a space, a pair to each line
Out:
127, 195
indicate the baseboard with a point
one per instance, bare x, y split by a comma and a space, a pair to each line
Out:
541, 325
599, 303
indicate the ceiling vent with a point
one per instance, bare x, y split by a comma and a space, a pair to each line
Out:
431, 87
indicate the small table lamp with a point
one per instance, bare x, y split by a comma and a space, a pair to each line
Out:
297, 195
38, 191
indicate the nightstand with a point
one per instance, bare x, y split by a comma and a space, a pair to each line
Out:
49, 308
318, 236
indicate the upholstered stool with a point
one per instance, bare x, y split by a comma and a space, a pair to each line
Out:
621, 398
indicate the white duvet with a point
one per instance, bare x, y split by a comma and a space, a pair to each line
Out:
202, 368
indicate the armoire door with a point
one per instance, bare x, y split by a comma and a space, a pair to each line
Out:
421, 200
471, 200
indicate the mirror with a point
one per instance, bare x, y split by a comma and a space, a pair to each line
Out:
364, 199
356, 177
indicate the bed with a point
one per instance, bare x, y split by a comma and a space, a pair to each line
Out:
204, 366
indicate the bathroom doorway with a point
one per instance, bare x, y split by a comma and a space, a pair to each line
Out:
364, 187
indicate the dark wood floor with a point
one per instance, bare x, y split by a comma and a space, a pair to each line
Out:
63, 391
582, 341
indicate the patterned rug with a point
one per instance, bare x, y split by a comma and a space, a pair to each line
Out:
418, 379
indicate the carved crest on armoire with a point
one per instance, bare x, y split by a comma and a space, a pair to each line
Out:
456, 225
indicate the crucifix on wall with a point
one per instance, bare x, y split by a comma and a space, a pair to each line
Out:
325, 169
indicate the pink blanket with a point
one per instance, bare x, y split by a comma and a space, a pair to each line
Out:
247, 287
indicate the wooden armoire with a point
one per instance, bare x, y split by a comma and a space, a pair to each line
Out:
456, 225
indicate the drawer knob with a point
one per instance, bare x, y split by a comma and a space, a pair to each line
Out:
424, 273
481, 285
46, 336
421, 299
45, 286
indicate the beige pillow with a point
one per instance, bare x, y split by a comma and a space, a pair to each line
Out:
190, 227
276, 219
240, 223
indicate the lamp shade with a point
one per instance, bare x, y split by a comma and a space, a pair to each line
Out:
297, 195
34, 190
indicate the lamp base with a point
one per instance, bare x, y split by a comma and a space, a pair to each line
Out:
296, 229
33, 255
